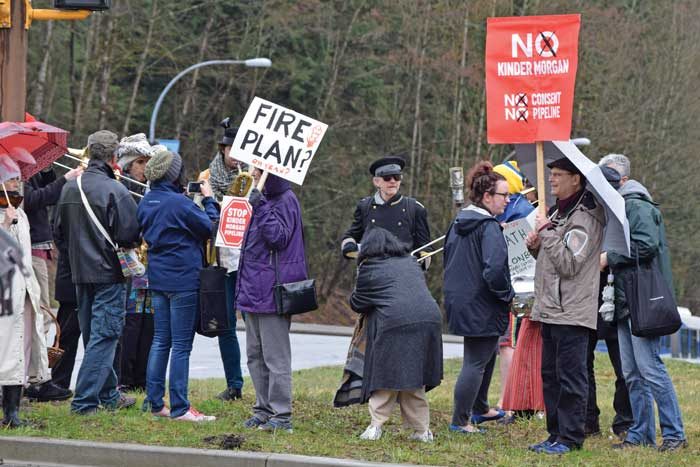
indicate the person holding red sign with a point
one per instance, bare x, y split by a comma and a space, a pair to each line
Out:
567, 245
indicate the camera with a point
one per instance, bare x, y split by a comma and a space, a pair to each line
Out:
194, 187
92, 5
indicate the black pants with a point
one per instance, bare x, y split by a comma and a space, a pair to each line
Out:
565, 382
621, 401
135, 344
478, 352
481, 404
70, 336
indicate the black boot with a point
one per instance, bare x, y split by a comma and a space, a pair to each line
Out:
11, 397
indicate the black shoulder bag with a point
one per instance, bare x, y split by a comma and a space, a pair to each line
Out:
653, 309
213, 320
294, 298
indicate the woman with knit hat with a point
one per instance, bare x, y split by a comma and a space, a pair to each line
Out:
174, 228
131, 359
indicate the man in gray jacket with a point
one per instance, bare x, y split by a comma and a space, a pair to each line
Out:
95, 269
567, 246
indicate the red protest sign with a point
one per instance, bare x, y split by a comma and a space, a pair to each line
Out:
233, 223
530, 76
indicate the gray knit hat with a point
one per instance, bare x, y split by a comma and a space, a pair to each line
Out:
164, 165
102, 144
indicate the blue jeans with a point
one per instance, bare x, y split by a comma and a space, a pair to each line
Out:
174, 318
228, 343
101, 316
648, 381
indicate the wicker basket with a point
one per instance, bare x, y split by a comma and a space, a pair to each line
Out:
54, 351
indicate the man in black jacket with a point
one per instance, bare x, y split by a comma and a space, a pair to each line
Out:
95, 269
40, 192
404, 217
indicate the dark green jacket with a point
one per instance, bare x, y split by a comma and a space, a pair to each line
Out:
647, 239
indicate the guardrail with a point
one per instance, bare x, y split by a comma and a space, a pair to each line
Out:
685, 343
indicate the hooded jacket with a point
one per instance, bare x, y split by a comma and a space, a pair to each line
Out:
25, 293
274, 237
477, 279
567, 274
92, 258
175, 230
647, 239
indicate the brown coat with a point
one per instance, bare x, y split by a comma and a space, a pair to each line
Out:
567, 275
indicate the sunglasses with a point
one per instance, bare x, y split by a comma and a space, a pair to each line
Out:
387, 178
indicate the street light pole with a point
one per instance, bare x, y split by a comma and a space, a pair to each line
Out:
251, 63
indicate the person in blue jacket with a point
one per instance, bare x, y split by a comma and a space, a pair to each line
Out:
174, 228
518, 206
477, 285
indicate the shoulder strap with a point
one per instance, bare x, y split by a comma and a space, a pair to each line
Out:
92, 215
366, 205
412, 202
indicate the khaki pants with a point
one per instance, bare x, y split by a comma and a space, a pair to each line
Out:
414, 408
41, 270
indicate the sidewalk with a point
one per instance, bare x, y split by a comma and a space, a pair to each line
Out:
51, 452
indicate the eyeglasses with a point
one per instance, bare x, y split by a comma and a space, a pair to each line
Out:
505, 195
387, 178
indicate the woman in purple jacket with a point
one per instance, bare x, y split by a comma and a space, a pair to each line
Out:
274, 241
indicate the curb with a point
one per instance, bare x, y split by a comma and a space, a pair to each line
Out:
21, 450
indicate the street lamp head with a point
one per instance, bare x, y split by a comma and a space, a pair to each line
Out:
258, 63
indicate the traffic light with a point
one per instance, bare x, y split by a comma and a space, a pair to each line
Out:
92, 5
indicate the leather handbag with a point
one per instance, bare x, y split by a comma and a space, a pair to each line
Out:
293, 298
213, 320
653, 309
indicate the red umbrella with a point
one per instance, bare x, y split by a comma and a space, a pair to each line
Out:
33, 145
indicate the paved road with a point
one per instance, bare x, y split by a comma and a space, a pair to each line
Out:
308, 351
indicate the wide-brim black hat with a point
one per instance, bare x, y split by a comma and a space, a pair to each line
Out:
391, 165
229, 136
564, 164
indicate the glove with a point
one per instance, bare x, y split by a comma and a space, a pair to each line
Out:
256, 198
350, 249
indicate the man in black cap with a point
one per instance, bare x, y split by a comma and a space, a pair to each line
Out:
567, 246
387, 208
223, 168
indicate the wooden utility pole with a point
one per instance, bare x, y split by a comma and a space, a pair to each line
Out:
16, 17
13, 64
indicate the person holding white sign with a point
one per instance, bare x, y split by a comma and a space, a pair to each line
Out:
478, 291
273, 252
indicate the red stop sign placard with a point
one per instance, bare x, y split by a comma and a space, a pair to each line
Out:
233, 223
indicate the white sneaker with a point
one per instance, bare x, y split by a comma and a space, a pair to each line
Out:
192, 415
162, 413
372, 433
425, 437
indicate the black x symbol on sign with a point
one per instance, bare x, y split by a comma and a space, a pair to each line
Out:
521, 99
522, 115
548, 44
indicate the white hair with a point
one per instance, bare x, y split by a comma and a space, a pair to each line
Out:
620, 161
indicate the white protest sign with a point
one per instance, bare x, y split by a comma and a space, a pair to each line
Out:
278, 140
520, 261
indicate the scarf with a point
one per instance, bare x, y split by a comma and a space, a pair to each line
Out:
221, 176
